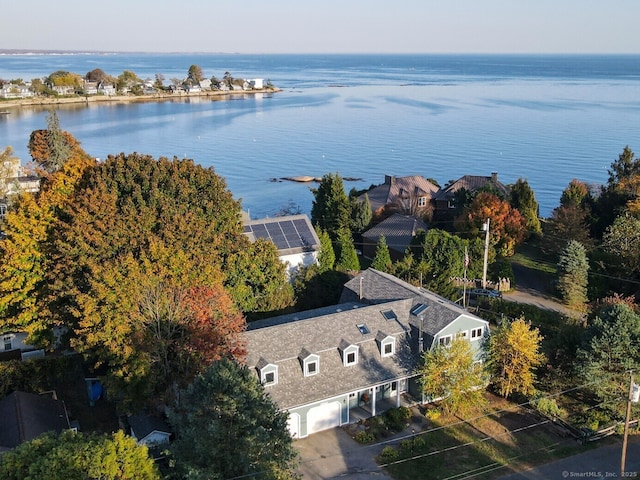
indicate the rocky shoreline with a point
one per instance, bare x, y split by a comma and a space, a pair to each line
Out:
156, 97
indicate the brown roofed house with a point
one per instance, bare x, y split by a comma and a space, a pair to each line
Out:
445, 199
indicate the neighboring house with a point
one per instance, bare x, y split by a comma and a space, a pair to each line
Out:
336, 365
256, 83
398, 231
149, 430
205, 84
106, 89
26, 416
192, 88
445, 199
293, 235
64, 89
11, 90
406, 195
15, 341
90, 88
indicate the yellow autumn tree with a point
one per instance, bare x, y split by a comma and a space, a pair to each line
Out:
514, 353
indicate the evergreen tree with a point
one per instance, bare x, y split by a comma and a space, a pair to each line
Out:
523, 199
609, 350
361, 214
228, 427
573, 281
327, 255
382, 260
330, 209
348, 257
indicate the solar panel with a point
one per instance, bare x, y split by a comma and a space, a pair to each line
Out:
285, 233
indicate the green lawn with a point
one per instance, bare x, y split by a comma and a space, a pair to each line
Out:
485, 448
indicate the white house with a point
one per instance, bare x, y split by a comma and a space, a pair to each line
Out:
293, 235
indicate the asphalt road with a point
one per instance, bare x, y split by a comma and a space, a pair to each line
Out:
603, 462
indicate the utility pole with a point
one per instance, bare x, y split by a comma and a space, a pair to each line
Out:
634, 394
485, 227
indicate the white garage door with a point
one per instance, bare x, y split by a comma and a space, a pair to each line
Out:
294, 424
323, 417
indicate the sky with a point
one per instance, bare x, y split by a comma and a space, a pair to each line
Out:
329, 26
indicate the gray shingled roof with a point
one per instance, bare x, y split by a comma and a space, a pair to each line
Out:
471, 183
26, 416
326, 332
398, 231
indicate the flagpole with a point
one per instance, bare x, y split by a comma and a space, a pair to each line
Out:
464, 279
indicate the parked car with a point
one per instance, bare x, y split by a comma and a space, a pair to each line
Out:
485, 292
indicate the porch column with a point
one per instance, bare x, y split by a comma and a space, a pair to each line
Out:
398, 383
373, 402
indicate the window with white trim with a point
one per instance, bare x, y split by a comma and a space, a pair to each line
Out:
422, 201
350, 355
310, 368
444, 341
476, 333
388, 347
269, 375
8, 344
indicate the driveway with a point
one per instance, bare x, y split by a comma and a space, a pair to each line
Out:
334, 454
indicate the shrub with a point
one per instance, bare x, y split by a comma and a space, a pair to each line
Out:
396, 418
548, 406
406, 447
433, 414
364, 437
389, 454
419, 443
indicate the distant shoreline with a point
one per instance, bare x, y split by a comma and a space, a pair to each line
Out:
156, 97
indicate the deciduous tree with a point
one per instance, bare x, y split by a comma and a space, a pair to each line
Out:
451, 374
513, 355
622, 241
507, 226
78, 456
228, 427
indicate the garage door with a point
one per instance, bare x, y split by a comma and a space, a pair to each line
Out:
323, 417
294, 424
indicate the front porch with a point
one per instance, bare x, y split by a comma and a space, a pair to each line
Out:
368, 410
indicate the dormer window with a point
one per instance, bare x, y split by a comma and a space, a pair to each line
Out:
387, 344
422, 201
310, 363
268, 373
349, 353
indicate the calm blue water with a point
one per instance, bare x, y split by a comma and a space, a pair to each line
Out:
548, 119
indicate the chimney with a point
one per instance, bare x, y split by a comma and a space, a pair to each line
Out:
494, 177
389, 179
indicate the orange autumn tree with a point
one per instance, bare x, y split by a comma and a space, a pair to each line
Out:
507, 227
24, 258
183, 331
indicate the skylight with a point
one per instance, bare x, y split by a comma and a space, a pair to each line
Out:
389, 314
363, 328
419, 308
